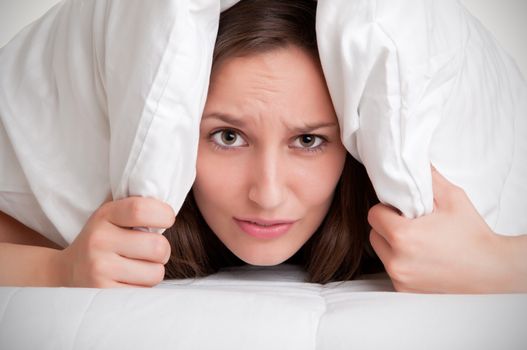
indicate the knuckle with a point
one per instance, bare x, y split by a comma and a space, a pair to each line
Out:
98, 268
373, 238
399, 237
168, 250
171, 221
159, 274
171, 215
372, 213
160, 247
89, 272
95, 267
412, 245
136, 208
389, 266
97, 240
99, 214
103, 210
398, 272
156, 274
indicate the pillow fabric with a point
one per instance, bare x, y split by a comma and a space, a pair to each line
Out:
416, 83
99, 100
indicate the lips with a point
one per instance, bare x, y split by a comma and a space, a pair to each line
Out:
264, 229
264, 222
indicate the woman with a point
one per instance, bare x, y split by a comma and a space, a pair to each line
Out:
273, 184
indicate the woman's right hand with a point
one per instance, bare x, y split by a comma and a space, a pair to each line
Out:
109, 253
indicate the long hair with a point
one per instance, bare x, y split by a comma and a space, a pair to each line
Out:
339, 249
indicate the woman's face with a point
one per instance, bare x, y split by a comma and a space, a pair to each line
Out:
269, 154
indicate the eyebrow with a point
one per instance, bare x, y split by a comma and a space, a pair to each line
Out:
241, 124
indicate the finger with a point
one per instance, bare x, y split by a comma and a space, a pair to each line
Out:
138, 245
381, 246
442, 189
108, 198
385, 220
139, 211
137, 272
123, 285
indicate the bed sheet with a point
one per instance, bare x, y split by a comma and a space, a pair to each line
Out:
259, 308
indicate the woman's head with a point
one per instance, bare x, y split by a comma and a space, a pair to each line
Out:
270, 151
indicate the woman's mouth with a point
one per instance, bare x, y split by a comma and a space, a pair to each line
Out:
265, 229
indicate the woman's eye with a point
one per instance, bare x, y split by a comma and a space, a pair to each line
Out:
227, 138
309, 141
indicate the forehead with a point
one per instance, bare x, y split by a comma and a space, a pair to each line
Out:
282, 81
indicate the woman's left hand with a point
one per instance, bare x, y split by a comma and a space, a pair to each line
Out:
451, 250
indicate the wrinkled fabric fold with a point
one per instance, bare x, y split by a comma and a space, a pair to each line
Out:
416, 83
102, 99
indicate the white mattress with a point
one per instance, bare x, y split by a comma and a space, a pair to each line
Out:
259, 308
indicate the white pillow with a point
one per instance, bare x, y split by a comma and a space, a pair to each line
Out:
418, 82
101, 98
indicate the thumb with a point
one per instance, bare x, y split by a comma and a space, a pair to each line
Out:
442, 189
109, 198
149, 229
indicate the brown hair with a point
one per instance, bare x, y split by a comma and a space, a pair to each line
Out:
339, 249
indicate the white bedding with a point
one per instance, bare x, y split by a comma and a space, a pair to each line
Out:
259, 308
418, 82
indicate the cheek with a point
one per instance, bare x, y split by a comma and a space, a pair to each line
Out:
217, 178
316, 182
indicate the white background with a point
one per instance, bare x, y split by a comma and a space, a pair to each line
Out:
507, 19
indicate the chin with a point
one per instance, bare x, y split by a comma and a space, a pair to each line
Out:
264, 260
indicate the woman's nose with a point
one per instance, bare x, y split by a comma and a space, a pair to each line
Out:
267, 188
